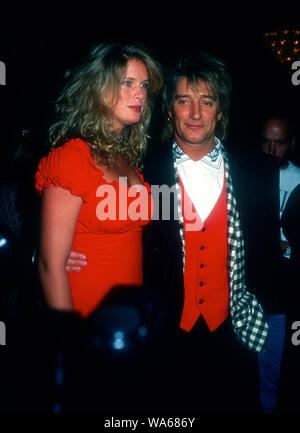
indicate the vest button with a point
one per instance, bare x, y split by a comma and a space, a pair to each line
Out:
203, 229
202, 247
201, 284
202, 265
200, 301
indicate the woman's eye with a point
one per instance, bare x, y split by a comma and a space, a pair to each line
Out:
126, 83
145, 85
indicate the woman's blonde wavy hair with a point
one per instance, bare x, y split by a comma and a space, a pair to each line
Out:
82, 110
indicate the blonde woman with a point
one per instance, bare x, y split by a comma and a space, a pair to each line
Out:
98, 143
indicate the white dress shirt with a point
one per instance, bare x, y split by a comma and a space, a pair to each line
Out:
203, 179
289, 179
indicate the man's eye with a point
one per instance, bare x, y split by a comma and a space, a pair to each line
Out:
182, 101
208, 103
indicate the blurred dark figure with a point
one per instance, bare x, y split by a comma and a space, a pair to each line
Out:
18, 218
101, 364
18, 282
278, 140
111, 369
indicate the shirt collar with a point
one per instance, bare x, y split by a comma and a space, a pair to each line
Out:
212, 158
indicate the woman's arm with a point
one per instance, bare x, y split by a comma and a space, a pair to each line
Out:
59, 213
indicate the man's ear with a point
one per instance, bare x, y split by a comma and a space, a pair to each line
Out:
293, 142
219, 117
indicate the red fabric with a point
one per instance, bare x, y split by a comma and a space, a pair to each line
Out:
206, 263
113, 247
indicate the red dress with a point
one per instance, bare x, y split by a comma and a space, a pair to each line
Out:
109, 227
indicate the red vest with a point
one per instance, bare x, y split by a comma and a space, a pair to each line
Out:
206, 276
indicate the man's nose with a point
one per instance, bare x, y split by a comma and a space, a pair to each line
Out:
195, 112
272, 148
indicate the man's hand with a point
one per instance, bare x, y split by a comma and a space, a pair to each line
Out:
75, 262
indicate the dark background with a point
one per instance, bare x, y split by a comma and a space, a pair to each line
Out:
38, 48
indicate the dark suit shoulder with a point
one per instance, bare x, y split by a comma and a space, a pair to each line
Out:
158, 165
251, 160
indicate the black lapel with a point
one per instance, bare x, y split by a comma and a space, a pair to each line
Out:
159, 171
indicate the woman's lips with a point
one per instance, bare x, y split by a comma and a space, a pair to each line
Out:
135, 108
